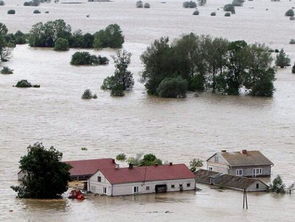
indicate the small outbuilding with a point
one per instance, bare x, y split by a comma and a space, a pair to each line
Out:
141, 180
228, 181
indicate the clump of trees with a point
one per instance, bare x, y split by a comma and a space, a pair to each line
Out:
45, 175
4, 44
292, 41
202, 2
122, 79
196, 12
277, 185
6, 70
293, 69
282, 60
238, 2
2, 3
85, 58
88, 95
61, 44
46, 35
289, 13
11, 12
189, 4
227, 14
25, 84
205, 63
32, 3
139, 4
213, 14
194, 164
140, 159
229, 8
146, 5
36, 11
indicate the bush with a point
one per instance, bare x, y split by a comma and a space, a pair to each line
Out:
293, 69
32, 3
238, 2
196, 12
172, 88
189, 4
289, 13
110, 37
20, 38
139, 4
292, 41
25, 84
213, 14
2, 3
87, 94
6, 70
147, 5
263, 89
84, 58
61, 44
229, 8
277, 185
227, 14
117, 90
282, 59
36, 11
11, 12
121, 157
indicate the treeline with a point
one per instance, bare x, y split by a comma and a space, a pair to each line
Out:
203, 63
46, 35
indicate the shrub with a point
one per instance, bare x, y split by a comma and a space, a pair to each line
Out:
292, 41
11, 12
213, 14
36, 11
6, 70
238, 2
117, 90
32, 3
84, 58
23, 84
194, 164
227, 14
61, 44
202, 2
121, 157
139, 4
110, 37
229, 8
282, 59
87, 94
172, 88
262, 88
293, 69
189, 4
277, 185
20, 38
2, 3
147, 5
289, 13
196, 12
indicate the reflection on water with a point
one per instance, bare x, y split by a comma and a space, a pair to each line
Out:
176, 130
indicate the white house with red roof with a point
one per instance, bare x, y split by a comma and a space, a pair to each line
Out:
141, 180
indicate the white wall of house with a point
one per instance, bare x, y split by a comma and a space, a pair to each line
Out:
257, 186
218, 164
106, 188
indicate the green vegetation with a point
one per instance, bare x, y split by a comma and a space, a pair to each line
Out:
227, 14
206, 63
277, 185
80, 40
36, 11
202, 2
289, 13
282, 60
6, 70
11, 12
110, 37
2, 3
238, 2
293, 69
194, 164
88, 95
84, 58
229, 8
147, 160
122, 79
4, 44
189, 4
146, 5
45, 175
61, 44
213, 14
32, 3
292, 41
121, 157
196, 12
25, 84
139, 4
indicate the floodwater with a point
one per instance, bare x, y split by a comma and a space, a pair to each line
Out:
174, 129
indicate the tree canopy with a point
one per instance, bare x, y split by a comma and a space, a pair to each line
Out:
45, 175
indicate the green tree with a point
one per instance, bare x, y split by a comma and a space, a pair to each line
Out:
121, 157
85, 58
110, 37
172, 87
282, 60
277, 185
194, 164
61, 44
45, 175
149, 160
229, 8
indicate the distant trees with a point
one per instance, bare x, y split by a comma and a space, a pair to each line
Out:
289, 13
6, 70
229, 8
147, 160
4, 44
189, 4
2, 3
110, 37
11, 12
85, 58
238, 2
61, 44
88, 95
45, 175
122, 79
205, 63
194, 164
282, 60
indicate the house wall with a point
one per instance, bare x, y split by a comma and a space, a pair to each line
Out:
248, 171
218, 164
128, 188
253, 188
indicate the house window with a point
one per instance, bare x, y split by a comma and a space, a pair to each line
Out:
135, 189
104, 190
257, 185
210, 168
257, 171
172, 186
188, 184
147, 188
239, 172
98, 179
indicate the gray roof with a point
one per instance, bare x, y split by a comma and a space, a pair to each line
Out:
224, 180
250, 158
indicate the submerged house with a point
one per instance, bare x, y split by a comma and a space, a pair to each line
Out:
244, 163
229, 181
141, 180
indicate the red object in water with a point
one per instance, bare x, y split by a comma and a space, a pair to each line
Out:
76, 194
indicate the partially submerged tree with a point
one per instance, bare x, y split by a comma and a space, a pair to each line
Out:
6, 70
61, 44
45, 175
282, 60
194, 164
110, 37
277, 185
121, 157
85, 58
229, 8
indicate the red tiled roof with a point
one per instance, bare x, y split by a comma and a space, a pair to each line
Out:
147, 173
89, 167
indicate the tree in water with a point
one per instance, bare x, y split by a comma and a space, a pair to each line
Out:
277, 185
45, 175
282, 59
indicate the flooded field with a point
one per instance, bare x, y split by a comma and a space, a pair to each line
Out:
175, 130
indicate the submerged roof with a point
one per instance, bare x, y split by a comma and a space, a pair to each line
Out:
89, 167
147, 173
246, 158
224, 180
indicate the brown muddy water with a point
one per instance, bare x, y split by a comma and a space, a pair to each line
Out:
175, 130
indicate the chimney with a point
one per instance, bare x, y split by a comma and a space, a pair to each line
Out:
170, 164
223, 151
244, 151
130, 166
